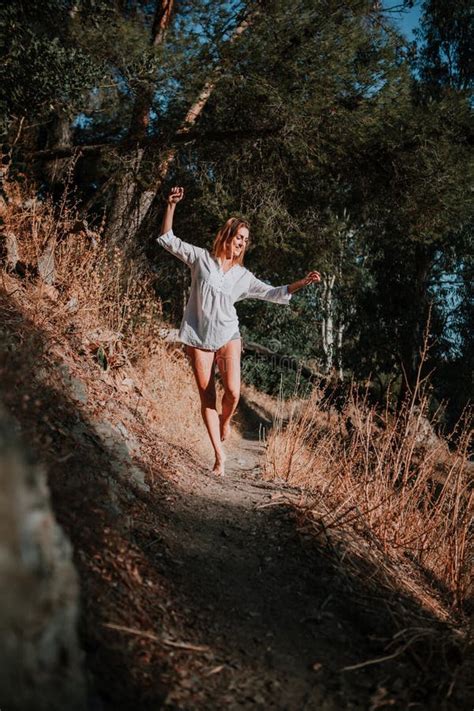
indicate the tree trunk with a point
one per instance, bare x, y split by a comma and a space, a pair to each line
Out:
412, 336
327, 324
340, 332
56, 172
59, 136
41, 663
131, 202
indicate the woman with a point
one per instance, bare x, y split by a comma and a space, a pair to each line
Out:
210, 327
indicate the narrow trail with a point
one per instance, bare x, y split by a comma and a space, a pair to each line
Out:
266, 604
201, 593
168, 553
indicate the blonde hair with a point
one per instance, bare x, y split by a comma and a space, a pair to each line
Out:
226, 234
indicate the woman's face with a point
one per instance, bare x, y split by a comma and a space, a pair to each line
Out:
239, 242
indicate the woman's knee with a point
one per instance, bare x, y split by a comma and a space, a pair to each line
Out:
232, 393
208, 399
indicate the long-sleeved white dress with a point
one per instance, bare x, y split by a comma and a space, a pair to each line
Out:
210, 319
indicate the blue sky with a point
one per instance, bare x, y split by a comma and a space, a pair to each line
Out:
406, 20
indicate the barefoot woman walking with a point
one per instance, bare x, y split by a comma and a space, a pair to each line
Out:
210, 327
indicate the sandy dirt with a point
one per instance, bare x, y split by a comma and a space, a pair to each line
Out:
277, 619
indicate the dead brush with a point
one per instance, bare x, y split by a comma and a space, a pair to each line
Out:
391, 503
74, 280
378, 477
103, 304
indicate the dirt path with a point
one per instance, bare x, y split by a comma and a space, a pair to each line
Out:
197, 593
180, 557
271, 611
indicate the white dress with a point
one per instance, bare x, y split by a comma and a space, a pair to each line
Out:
210, 319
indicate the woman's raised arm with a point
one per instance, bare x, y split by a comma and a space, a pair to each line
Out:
175, 196
188, 253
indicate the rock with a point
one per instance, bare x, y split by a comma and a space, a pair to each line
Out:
118, 439
11, 251
46, 264
108, 434
40, 659
128, 383
104, 335
122, 445
169, 334
51, 292
76, 387
130, 440
78, 390
137, 475
73, 305
426, 438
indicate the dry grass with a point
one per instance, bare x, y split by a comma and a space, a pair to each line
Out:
386, 482
105, 307
392, 503
85, 284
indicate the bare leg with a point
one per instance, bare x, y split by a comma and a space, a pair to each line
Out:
203, 367
228, 362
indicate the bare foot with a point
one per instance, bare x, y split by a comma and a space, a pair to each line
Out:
225, 429
219, 466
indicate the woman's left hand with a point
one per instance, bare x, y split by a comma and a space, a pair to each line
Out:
311, 277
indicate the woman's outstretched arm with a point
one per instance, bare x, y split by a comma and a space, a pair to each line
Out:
188, 253
258, 289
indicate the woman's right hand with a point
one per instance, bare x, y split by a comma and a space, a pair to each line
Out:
176, 194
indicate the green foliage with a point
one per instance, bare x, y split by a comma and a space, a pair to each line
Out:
447, 53
43, 68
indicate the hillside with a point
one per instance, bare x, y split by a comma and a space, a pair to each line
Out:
196, 592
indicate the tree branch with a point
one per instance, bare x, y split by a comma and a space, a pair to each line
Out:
126, 144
